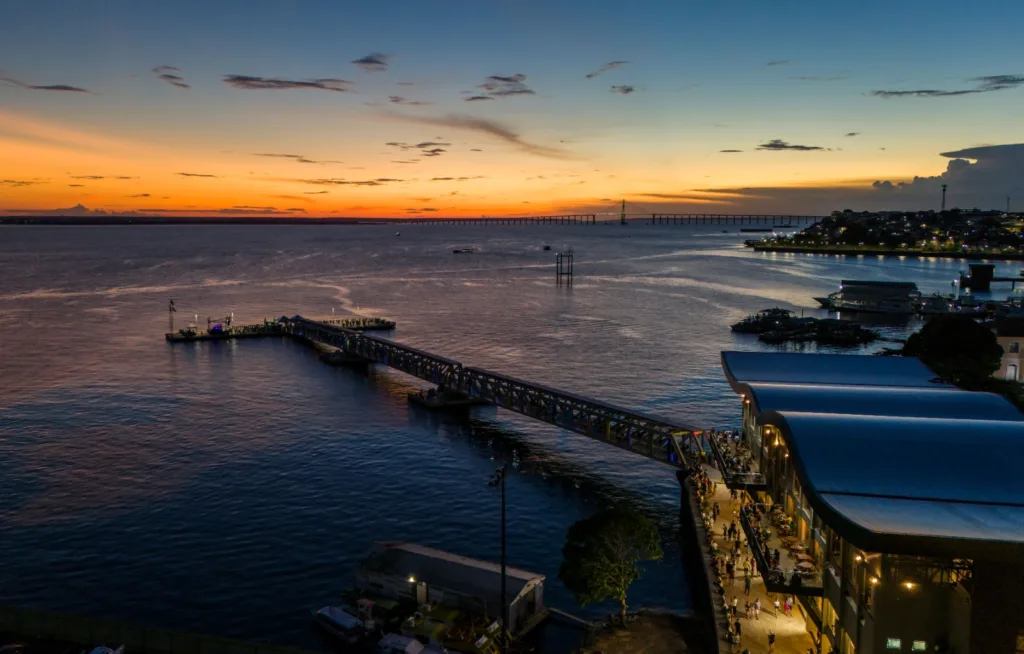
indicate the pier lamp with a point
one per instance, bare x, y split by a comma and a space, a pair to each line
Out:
498, 480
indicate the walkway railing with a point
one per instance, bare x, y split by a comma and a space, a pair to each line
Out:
777, 579
732, 473
626, 429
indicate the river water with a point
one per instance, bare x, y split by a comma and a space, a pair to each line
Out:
231, 487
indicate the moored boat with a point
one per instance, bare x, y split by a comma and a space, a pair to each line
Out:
462, 251
339, 623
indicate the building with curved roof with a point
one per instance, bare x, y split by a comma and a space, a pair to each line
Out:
901, 496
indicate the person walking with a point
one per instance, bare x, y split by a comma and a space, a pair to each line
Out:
776, 607
771, 642
739, 629
757, 609
746, 586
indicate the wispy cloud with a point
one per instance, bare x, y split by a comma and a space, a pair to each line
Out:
298, 158
819, 78
397, 99
196, 175
95, 177
315, 192
43, 87
778, 62
248, 82
432, 144
624, 89
604, 68
423, 210
380, 181
490, 128
730, 151
497, 86
74, 185
170, 75
18, 182
985, 84
375, 62
433, 152
778, 144
852, 134
455, 179
478, 98
139, 195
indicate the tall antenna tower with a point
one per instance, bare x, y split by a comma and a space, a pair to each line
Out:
943, 197
622, 216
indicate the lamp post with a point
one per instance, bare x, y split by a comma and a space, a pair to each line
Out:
499, 480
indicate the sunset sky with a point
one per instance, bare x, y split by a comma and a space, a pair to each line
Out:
491, 107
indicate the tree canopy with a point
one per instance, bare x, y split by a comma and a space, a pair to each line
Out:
602, 553
958, 349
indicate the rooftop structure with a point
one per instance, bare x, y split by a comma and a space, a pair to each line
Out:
898, 497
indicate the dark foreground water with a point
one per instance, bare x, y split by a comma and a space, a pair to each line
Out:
232, 487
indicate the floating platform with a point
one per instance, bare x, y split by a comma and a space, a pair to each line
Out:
185, 336
274, 329
445, 401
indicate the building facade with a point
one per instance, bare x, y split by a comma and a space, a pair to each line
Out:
890, 504
1010, 334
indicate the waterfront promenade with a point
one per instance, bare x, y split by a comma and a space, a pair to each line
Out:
791, 636
857, 251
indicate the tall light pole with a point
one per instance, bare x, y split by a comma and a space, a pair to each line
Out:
499, 480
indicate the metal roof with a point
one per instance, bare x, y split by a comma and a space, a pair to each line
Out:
890, 460
446, 570
899, 401
837, 369
879, 479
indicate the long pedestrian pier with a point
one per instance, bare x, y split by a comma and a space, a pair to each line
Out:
664, 441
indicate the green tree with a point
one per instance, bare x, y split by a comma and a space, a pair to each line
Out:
602, 553
958, 349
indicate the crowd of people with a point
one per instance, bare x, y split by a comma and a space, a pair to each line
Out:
735, 451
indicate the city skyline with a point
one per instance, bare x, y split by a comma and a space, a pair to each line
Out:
460, 109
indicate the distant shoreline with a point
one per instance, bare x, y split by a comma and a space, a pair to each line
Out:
916, 254
188, 220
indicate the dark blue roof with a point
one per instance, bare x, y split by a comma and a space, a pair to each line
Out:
840, 369
901, 401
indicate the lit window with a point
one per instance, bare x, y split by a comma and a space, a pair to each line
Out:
919, 646
1014, 347
893, 643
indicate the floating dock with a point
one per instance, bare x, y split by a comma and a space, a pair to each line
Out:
268, 328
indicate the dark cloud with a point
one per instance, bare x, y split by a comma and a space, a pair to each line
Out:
76, 185
195, 175
475, 150
778, 144
852, 134
478, 98
139, 195
624, 89
17, 182
433, 152
432, 144
423, 210
169, 75
375, 62
604, 68
406, 161
397, 99
43, 87
779, 62
819, 78
259, 83
298, 158
491, 128
730, 151
314, 192
985, 84
498, 86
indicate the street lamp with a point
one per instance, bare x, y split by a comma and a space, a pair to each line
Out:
498, 480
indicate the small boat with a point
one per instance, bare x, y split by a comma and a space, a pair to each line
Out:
462, 251
340, 624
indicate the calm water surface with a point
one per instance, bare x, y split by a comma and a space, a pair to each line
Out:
232, 487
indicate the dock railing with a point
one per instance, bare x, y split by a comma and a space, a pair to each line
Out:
22, 623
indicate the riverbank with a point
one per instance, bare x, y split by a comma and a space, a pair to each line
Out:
854, 250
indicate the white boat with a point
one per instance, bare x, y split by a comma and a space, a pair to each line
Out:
340, 624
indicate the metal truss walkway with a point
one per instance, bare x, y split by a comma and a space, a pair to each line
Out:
626, 429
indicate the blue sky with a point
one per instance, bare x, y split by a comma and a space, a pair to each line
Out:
701, 78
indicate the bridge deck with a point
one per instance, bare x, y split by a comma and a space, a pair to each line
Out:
652, 437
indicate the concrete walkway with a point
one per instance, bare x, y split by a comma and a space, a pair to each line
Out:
791, 635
